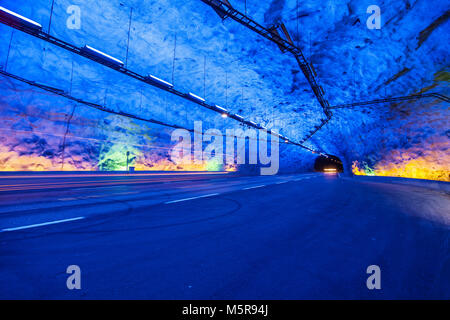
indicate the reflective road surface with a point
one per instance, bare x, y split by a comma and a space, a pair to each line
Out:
221, 236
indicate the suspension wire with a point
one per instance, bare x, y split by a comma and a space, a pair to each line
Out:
9, 49
298, 32
174, 57
128, 41
204, 77
140, 99
51, 15
65, 135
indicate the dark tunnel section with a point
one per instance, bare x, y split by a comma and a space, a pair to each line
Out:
328, 163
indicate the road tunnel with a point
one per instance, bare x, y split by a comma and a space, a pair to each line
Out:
208, 136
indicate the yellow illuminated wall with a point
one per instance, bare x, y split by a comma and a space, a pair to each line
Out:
431, 163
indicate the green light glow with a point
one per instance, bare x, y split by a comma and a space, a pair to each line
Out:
115, 158
214, 165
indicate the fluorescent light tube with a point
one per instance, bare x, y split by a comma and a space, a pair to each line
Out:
8, 14
220, 108
196, 97
102, 55
160, 81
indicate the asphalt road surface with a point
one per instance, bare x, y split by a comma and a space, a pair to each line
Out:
221, 236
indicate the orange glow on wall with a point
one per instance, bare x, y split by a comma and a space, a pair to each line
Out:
13, 161
166, 165
432, 163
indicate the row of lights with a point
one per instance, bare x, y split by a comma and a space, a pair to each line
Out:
9, 16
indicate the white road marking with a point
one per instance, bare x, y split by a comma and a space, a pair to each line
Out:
40, 224
186, 199
263, 185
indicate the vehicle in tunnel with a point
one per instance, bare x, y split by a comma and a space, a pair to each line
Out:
328, 163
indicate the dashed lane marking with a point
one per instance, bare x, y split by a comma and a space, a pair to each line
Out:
40, 224
192, 198
248, 188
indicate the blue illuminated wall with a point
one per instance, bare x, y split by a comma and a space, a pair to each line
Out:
233, 67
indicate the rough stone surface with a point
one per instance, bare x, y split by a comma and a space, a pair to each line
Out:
244, 73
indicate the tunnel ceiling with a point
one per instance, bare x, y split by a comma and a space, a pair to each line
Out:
244, 72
